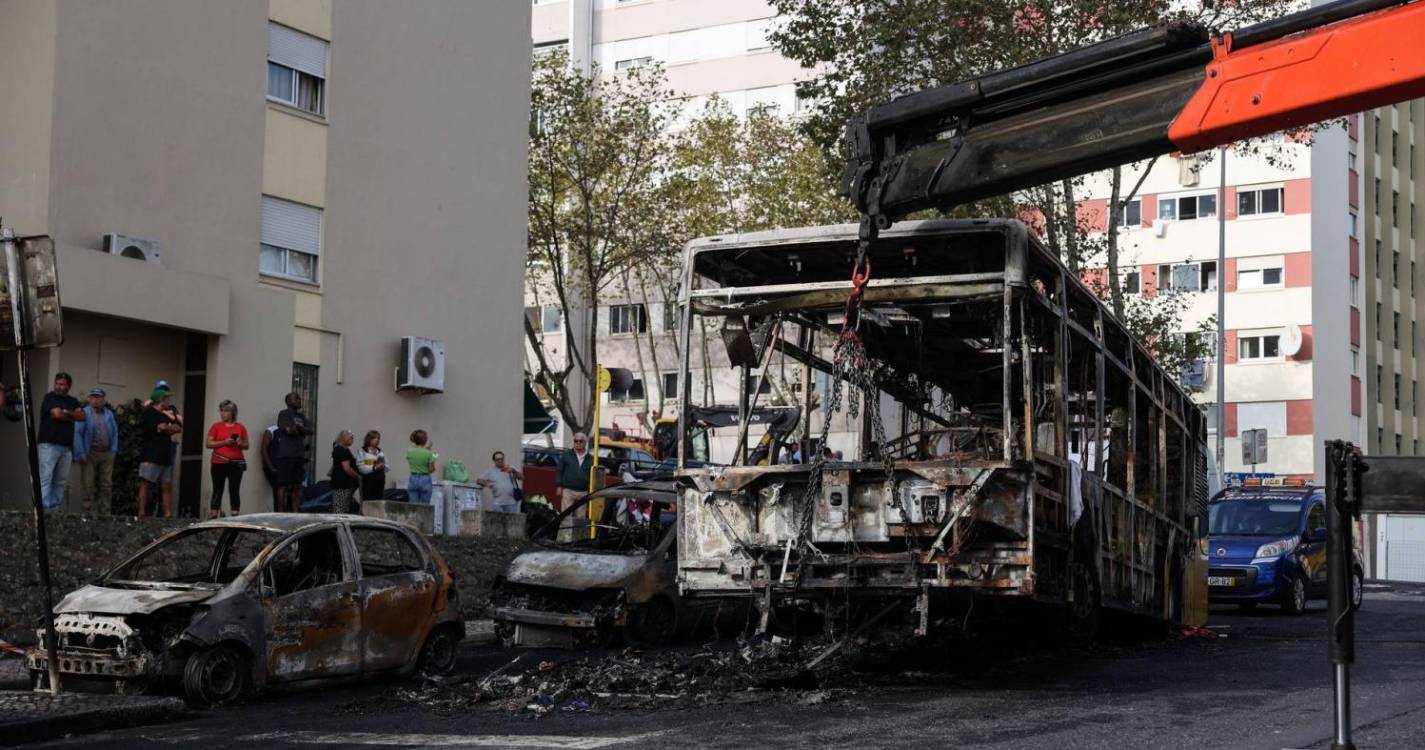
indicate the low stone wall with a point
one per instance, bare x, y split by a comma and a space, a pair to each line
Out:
83, 547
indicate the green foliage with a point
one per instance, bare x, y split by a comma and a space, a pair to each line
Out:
128, 416
866, 52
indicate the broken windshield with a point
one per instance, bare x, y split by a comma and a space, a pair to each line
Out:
636, 524
208, 557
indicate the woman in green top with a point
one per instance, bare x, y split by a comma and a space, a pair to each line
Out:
421, 460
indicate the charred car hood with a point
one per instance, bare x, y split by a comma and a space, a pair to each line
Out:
98, 599
573, 571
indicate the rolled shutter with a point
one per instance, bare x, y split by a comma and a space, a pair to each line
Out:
291, 225
297, 50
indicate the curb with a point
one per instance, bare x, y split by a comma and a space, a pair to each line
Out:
86, 720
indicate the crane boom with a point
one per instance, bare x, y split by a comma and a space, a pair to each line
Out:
1169, 88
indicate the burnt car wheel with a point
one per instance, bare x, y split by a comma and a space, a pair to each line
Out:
438, 655
653, 623
215, 676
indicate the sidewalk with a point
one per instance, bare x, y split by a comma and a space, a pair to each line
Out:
26, 716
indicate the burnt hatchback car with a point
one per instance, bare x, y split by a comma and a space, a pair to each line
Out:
582, 582
230, 607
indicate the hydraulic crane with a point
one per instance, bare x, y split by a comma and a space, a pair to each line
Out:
1177, 87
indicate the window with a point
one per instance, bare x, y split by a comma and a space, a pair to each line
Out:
553, 317
1351, 160
291, 240
546, 49
385, 552
1207, 276
671, 317
1395, 208
757, 32
296, 69
670, 385
1355, 362
1380, 372
1258, 347
1397, 391
633, 393
1351, 224
1378, 308
633, 62
627, 319
1355, 292
1376, 198
1188, 277
1187, 207
1412, 337
1132, 214
308, 562
1395, 269
1395, 330
1259, 278
1394, 146
305, 379
1397, 445
1258, 202
1131, 282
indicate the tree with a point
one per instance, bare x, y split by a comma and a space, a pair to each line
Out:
868, 51
597, 147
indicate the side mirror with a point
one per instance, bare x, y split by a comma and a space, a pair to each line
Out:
1316, 535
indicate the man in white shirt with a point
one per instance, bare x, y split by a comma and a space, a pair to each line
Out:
502, 481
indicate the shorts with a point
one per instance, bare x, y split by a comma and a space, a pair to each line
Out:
290, 471
156, 473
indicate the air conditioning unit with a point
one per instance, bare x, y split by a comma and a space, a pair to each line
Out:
132, 247
422, 366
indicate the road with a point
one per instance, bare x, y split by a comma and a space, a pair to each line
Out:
1262, 682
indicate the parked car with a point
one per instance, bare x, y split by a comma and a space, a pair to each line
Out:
234, 606
615, 579
1268, 545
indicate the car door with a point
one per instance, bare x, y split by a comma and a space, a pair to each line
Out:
398, 595
309, 600
1314, 551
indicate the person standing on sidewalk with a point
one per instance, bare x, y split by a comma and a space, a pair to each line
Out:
420, 459
371, 464
502, 481
59, 412
571, 474
228, 440
344, 475
289, 454
156, 451
96, 441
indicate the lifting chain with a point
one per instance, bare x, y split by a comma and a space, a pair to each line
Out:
850, 366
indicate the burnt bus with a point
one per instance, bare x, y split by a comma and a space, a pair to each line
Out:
1017, 446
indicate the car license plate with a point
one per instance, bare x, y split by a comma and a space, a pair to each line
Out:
1221, 581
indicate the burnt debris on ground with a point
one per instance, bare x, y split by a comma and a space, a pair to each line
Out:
725, 672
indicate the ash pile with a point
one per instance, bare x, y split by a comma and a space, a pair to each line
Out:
745, 671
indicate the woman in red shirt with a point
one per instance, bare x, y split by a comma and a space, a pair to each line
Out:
228, 439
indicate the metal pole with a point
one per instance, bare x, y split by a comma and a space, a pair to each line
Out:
1221, 312
20, 318
1342, 470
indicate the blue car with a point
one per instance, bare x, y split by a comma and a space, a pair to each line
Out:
1268, 545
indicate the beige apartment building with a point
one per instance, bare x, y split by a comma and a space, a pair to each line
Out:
321, 178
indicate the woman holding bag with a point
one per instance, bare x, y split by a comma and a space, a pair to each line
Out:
228, 440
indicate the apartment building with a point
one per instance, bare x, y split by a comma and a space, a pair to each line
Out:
706, 49
321, 179
1322, 287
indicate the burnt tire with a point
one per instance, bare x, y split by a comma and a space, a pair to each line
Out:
215, 676
1083, 619
653, 623
438, 653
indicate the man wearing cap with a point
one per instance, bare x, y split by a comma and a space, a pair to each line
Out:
156, 450
96, 441
59, 412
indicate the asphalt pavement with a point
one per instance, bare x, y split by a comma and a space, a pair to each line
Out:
1261, 680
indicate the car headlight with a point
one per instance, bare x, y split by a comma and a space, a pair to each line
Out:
1273, 550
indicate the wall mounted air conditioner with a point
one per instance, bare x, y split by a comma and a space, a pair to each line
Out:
1160, 227
132, 247
422, 365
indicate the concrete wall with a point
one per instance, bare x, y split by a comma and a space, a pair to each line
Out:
425, 220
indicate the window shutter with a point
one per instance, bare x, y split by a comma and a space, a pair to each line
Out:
296, 50
291, 225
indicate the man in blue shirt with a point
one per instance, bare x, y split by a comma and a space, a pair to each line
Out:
96, 441
59, 412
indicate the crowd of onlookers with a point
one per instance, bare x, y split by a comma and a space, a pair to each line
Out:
77, 444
